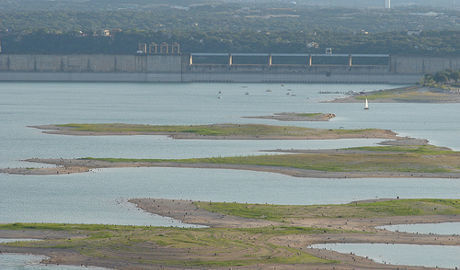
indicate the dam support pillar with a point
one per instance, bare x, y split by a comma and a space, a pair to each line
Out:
350, 61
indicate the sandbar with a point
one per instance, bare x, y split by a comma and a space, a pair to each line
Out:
218, 131
296, 116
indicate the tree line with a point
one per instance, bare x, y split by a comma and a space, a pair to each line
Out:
430, 43
442, 77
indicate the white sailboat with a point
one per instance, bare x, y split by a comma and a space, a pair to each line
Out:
366, 105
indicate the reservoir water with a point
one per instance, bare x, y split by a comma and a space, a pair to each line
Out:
447, 228
100, 196
32, 262
403, 254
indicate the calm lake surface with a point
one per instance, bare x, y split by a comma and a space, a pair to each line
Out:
448, 228
100, 196
32, 262
403, 254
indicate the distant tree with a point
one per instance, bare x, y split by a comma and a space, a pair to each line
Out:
453, 75
441, 77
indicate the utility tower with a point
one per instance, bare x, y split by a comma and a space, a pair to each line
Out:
387, 4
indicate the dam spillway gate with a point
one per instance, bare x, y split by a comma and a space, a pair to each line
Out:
285, 59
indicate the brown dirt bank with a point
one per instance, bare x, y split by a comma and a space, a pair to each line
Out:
45, 171
296, 116
68, 166
187, 212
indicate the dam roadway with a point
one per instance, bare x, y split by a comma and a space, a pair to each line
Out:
224, 67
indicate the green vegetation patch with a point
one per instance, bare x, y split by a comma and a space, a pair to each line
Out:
252, 130
416, 159
410, 94
289, 230
174, 246
417, 149
408, 207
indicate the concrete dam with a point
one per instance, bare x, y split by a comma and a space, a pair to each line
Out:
224, 67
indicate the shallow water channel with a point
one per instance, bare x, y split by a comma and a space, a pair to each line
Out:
10, 261
402, 254
447, 228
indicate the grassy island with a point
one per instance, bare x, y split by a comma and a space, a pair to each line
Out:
414, 94
419, 207
377, 159
217, 131
358, 162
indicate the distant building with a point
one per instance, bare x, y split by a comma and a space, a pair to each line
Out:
313, 45
155, 48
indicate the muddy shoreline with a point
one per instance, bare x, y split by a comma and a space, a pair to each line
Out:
70, 166
320, 135
186, 211
295, 117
